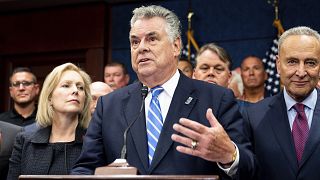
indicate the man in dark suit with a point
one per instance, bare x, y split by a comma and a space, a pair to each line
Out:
7, 136
177, 131
285, 128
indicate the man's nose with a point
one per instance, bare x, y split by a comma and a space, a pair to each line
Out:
211, 71
21, 86
301, 71
251, 72
143, 46
111, 77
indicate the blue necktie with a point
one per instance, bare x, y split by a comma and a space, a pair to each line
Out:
154, 121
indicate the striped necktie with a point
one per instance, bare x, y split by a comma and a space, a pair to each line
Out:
154, 122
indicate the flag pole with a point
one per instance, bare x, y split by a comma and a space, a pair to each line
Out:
190, 37
273, 85
277, 22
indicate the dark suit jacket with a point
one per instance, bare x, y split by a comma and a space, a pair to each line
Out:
8, 134
34, 155
273, 143
104, 138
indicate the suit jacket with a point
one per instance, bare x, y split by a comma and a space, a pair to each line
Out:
273, 143
115, 111
8, 134
34, 155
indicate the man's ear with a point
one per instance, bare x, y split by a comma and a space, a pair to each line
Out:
177, 46
278, 64
265, 75
127, 79
194, 74
37, 86
11, 91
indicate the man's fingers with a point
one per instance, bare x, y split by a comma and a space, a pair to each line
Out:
193, 125
182, 140
187, 149
211, 118
185, 131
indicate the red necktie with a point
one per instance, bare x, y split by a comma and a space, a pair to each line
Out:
300, 130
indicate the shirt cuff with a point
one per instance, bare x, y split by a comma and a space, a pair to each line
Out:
232, 170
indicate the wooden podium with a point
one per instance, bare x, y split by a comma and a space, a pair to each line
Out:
94, 177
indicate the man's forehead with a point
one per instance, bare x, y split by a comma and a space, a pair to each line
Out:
150, 26
143, 34
212, 62
116, 68
252, 62
22, 75
210, 58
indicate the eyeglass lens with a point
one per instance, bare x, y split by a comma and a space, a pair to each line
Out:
23, 83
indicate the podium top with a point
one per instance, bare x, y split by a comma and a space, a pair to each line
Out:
93, 177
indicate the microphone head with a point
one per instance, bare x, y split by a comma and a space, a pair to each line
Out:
144, 91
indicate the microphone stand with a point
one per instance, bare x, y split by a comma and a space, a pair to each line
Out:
121, 166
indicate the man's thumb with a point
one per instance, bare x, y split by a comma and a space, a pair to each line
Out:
211, 118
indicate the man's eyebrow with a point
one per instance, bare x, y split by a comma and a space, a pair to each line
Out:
133, 37
151, 33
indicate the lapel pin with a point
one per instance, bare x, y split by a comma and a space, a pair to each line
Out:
188, 101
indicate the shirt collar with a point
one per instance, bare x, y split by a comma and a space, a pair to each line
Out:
310, 101
14, 113
170, 86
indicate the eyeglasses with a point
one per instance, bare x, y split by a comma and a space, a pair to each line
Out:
23, 83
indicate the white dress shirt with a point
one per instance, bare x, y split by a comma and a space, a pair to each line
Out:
165, 97
309, 106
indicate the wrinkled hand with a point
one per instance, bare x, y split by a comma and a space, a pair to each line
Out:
213, 144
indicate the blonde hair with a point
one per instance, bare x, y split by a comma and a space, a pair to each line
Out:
45, 112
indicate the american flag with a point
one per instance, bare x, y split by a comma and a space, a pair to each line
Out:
184, 54
272, 84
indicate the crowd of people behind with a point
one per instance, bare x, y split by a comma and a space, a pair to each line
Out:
193, 120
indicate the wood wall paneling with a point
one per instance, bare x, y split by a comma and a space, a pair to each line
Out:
44, 38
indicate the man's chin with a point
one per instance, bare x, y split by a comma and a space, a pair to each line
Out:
112, 85
23, 103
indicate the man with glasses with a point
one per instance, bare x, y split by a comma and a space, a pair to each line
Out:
24, 90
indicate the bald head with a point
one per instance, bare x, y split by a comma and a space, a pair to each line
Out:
98, 89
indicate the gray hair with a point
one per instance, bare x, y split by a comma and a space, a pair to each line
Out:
299, 30
173, 27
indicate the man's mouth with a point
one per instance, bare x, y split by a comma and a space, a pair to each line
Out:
211, 81
143, 60
300, 83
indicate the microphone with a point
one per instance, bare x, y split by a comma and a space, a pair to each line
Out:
144, 93
121, 166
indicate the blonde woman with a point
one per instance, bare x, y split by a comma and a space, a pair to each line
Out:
62, 118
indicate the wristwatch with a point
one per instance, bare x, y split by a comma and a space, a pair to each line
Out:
234, 155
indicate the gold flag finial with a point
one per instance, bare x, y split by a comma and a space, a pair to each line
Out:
277, 22
190, 37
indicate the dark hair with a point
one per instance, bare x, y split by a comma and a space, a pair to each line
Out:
23, 69
185, 60
253, 56
124, 69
